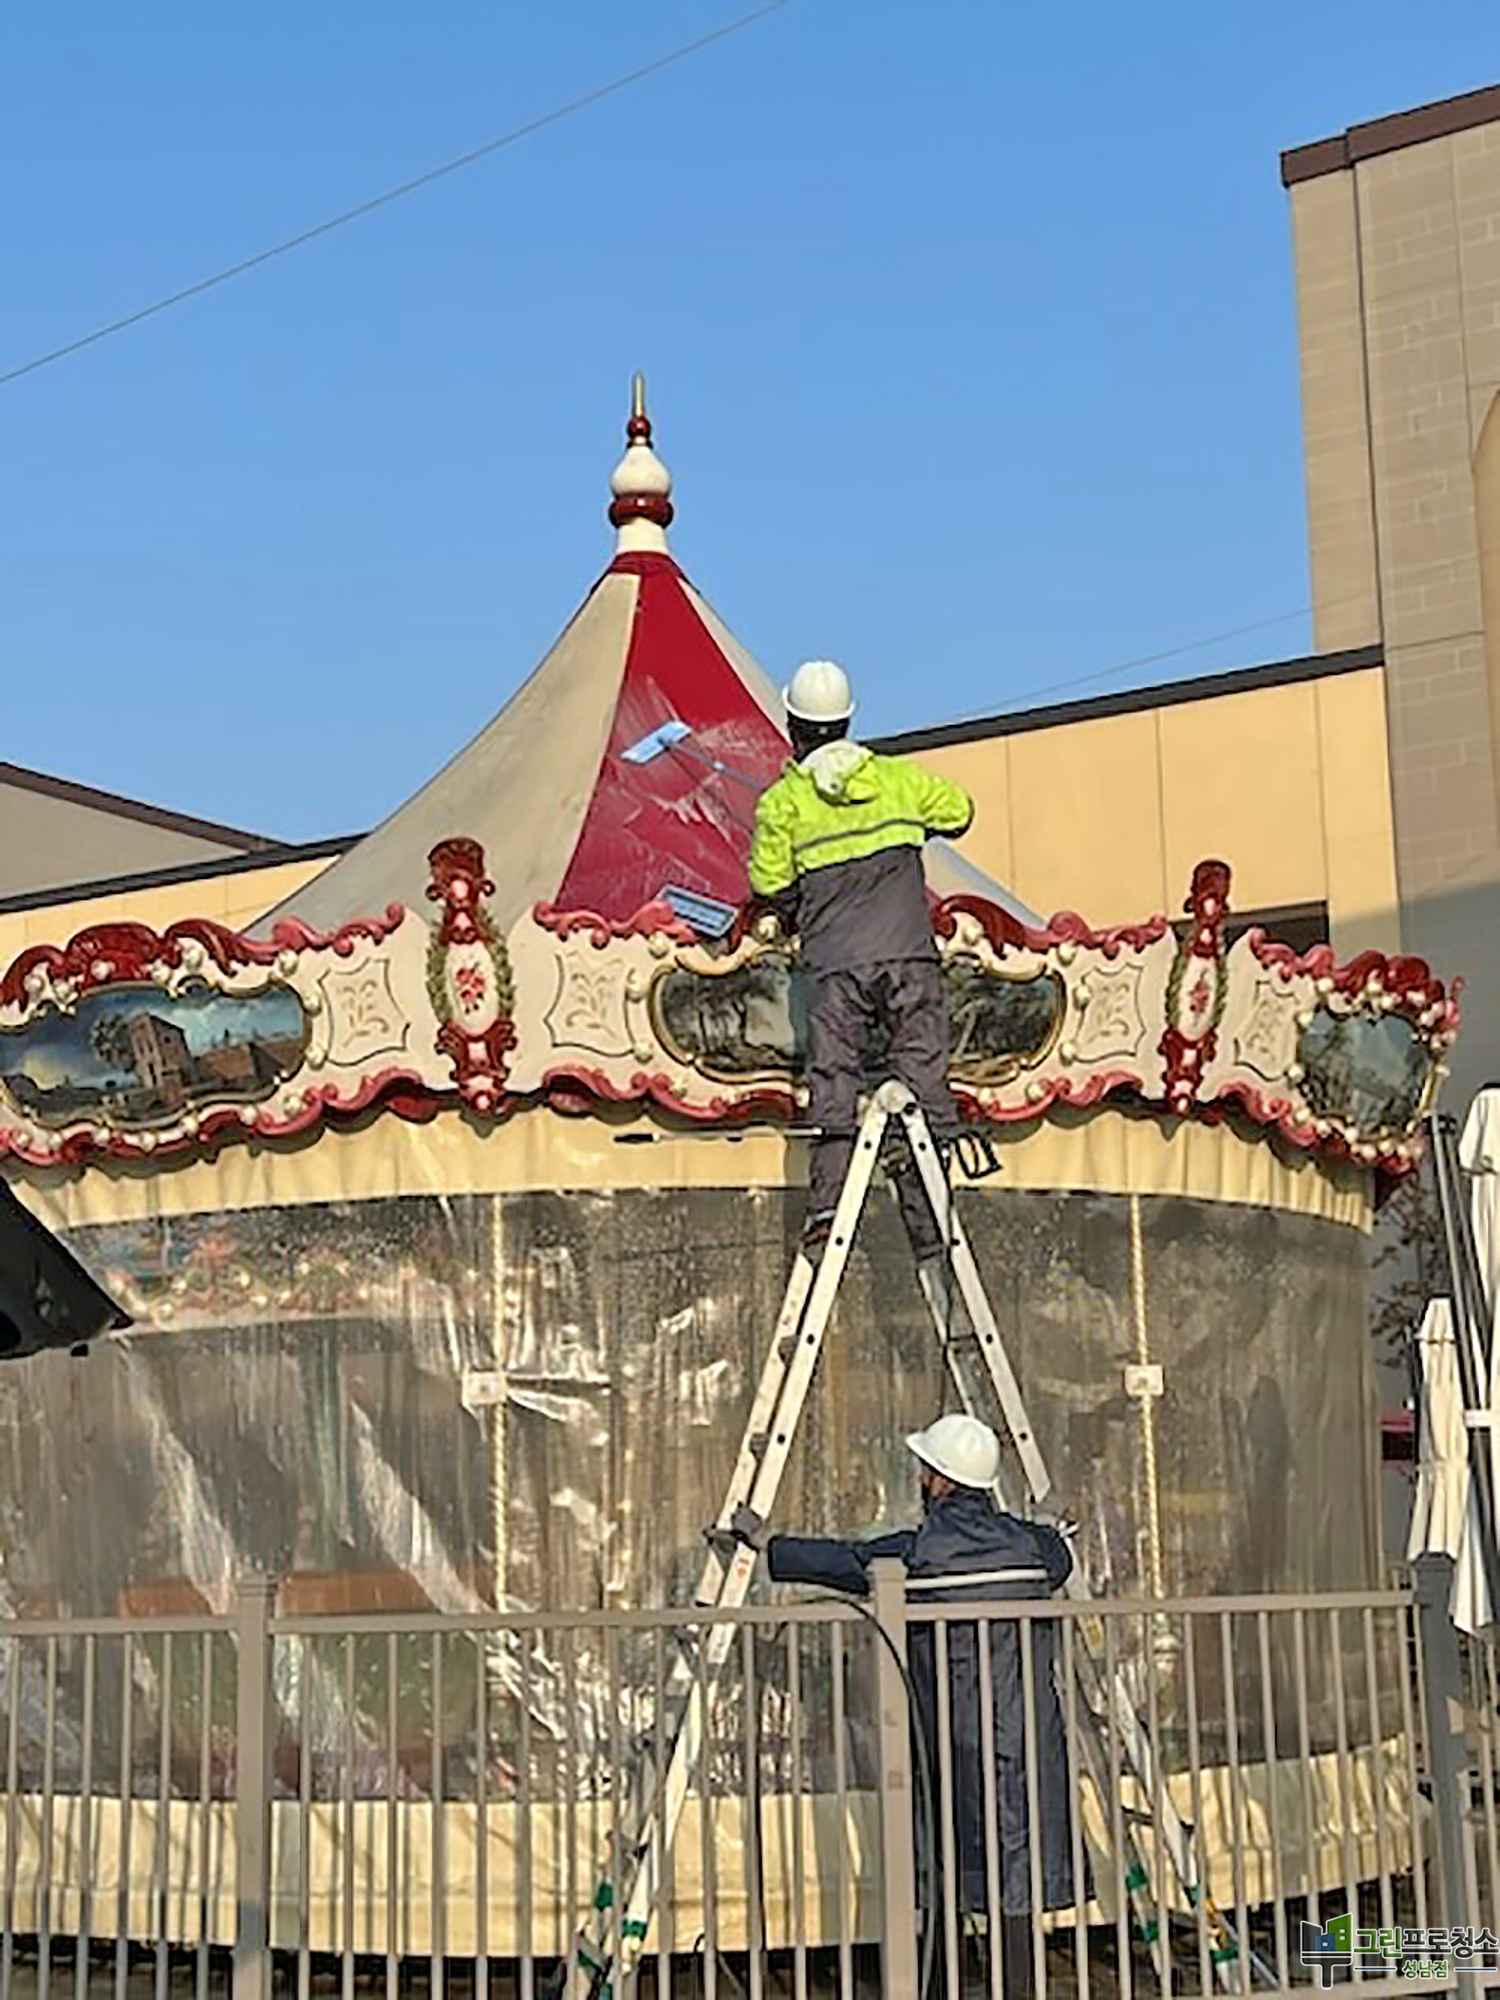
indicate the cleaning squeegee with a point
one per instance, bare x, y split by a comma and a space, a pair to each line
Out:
669, 736
664, 738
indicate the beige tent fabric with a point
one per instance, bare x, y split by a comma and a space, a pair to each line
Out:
1109, 1151
1376, 1802
1442, 1520
520, 788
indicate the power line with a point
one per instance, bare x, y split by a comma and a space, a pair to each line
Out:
391, 194
1151, 659
1154, 659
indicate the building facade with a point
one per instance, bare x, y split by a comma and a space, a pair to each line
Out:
1396, 231
1279, 770
55, 833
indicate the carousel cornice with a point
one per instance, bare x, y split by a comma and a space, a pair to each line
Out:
126, 1044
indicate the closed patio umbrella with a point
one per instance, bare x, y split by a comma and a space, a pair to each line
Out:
47, 1298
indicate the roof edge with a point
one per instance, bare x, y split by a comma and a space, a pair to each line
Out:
1166, 694
73, 793
66, 893
1439, 120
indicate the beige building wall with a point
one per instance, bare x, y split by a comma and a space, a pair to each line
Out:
1398, 282
1335, 416
235, 900
1108, 815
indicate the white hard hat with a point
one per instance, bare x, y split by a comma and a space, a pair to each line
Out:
961, 1448
819, 692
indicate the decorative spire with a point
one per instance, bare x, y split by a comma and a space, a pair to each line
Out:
642, 507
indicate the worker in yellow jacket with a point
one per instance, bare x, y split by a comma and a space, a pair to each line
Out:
837, 851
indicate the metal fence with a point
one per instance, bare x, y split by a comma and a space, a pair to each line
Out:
389, 1802
1474, 1747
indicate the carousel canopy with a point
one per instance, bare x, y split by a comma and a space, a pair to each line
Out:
624, 772
560, 918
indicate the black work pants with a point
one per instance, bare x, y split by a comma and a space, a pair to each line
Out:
900, 1008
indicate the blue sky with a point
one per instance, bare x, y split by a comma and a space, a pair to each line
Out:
969, 329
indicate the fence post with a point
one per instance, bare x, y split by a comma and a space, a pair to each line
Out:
898, 1870
1448, 1768
252, 1811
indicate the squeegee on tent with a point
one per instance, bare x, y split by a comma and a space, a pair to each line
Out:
671, 736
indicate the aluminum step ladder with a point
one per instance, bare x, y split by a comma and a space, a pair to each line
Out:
606, 1957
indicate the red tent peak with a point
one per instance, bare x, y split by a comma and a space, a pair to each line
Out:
690, 749
645, 562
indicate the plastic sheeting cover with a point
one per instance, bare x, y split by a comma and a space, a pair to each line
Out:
300, 1409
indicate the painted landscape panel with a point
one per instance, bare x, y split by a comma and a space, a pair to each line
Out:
753, 1021
134, 1056
1371, 1073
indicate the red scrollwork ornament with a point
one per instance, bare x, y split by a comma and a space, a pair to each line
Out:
1198, 988
469, 978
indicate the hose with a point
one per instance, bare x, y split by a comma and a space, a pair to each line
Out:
926, 1806
950, 1273
700, 1951
926, 1803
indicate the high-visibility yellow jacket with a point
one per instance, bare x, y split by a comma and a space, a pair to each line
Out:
847, 827
838, 807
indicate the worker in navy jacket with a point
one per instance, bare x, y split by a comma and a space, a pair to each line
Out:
967, 1550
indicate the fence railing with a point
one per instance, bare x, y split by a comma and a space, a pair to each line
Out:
1104, 1798
1475, 1828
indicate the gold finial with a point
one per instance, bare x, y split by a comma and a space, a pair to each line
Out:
640, 483
638, 430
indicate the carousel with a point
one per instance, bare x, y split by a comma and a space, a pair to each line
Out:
452, 1206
